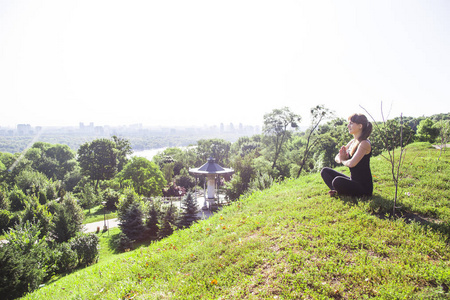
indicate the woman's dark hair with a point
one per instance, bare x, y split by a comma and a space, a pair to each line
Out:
366, 129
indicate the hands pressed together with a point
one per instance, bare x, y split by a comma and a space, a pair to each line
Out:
343, 154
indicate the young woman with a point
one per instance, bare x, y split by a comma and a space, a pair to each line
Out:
355, 155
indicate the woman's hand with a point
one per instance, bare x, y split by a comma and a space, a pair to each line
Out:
343, 154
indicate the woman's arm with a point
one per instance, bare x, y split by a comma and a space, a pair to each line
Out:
363, 148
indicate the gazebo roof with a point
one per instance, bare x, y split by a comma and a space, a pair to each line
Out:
211, 168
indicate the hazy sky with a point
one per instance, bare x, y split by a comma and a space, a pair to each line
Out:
190, 62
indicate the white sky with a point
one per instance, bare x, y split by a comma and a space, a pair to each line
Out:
179, 62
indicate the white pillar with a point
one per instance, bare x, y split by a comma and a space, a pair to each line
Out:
211, 187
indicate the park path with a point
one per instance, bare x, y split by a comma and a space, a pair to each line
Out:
92, 227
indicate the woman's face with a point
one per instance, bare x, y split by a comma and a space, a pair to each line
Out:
354, 128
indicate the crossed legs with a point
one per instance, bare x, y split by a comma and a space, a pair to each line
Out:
340, 183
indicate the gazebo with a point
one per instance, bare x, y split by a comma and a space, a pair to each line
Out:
212, 171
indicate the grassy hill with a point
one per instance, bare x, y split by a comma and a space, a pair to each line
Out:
293, 241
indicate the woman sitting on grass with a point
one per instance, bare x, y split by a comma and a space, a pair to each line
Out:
356, 155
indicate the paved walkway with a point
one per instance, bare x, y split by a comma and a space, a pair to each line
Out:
92, 227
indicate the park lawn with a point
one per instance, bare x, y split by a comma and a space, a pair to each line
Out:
293, 241
97, 213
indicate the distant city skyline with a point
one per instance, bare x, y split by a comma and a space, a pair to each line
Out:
196, 63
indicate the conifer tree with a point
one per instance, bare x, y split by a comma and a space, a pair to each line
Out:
189, 211
167, 223
153, 222
131, 222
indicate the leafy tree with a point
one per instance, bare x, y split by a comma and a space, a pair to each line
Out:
124, 149
126, 201
389, 135
189, 211
31, 182
426, 131
111, 197
38, 215
143, 176
89, 197
98, 160
276, 129
244, 172
68, 219
218, 149
71, 179
52, 160
14, 164
185, 180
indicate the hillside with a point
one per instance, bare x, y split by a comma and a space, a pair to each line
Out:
293, 241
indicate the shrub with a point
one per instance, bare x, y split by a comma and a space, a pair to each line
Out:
17, 198
123, 243
85, 245
66, 258
23, 260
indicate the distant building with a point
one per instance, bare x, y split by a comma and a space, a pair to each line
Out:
23, 129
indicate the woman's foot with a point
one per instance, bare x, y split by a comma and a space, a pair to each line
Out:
332, 193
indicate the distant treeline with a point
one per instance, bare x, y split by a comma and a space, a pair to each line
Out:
17, 144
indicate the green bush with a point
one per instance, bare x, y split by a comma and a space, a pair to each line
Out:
23, 261
123, 243
17, 198
85, 246
66, 258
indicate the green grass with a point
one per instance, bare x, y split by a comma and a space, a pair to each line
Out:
96, 214
293, 241
106, 249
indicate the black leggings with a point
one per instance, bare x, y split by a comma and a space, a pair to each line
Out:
342, 183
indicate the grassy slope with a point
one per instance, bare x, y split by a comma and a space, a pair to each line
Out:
294, 242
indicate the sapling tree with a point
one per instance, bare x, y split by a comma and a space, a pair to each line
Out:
277, 129
389, 140
444, 134
318, 114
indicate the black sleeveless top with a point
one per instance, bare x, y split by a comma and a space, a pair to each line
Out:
361, 173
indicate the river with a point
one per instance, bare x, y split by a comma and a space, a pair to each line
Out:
149, 153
